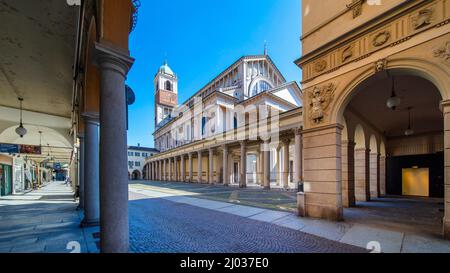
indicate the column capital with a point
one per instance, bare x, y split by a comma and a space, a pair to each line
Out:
286, 140
298, 130
91, 117
111, 58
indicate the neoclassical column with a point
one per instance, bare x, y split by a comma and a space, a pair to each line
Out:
278, 173
348, 173
382, 175
226, 174
261, 166
362, 174
183, 168
298, 156
175, 171
258, 167
243, 169
211, 166
446, 220
91, 172
171, 172
266, 165
199, 167
160, 168
191, 168
374, 175
286, 143
114, 230
81, 165
165, 169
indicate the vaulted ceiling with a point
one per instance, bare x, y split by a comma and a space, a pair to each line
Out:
37, 44
418, 93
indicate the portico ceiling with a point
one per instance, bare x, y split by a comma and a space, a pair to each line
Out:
37, 44
370, 103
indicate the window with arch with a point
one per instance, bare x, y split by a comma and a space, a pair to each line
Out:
260, 86
168, 86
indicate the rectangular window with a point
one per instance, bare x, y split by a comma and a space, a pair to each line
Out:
137, 154
130, 164
137, 164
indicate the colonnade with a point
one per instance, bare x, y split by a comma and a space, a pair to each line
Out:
182, 168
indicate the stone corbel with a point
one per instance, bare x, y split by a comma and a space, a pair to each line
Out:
356, 7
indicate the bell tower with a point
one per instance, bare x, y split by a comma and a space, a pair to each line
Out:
166, 93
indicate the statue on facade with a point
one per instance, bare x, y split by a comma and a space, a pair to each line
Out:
320, 99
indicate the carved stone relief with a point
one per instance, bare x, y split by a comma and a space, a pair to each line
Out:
320, 99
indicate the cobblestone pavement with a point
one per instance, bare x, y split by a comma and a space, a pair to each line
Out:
275, 199
158, 225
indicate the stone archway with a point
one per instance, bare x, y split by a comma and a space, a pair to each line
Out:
382, 141
136, 175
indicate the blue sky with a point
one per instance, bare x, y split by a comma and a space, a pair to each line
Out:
200, 38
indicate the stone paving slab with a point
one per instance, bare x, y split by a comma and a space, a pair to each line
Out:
290, 221
421, 244
326, 229
30, 225
390, 241
240, 210
269, 216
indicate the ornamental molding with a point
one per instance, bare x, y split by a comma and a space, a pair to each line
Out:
356, 7
443, 52
403, 26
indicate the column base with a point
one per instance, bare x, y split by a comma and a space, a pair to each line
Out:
90, 223
446, 229
266, 187
324, 212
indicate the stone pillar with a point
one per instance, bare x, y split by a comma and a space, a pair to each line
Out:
374, 175
226, 174
322, 172
261, 166
165, 170
382, 175
191, 168
298, 156
211, 166
171, 169
199, 167
91, 173
266, 165
176, 171
286, 163
348, 173
114, 230
243, 169
258, 167
362, 175
183, 168
446, 220
160, 170
81, 172
218, 166
278, 173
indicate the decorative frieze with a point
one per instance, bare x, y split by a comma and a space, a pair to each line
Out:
422, 19
320, 65
381, 38
391, 34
